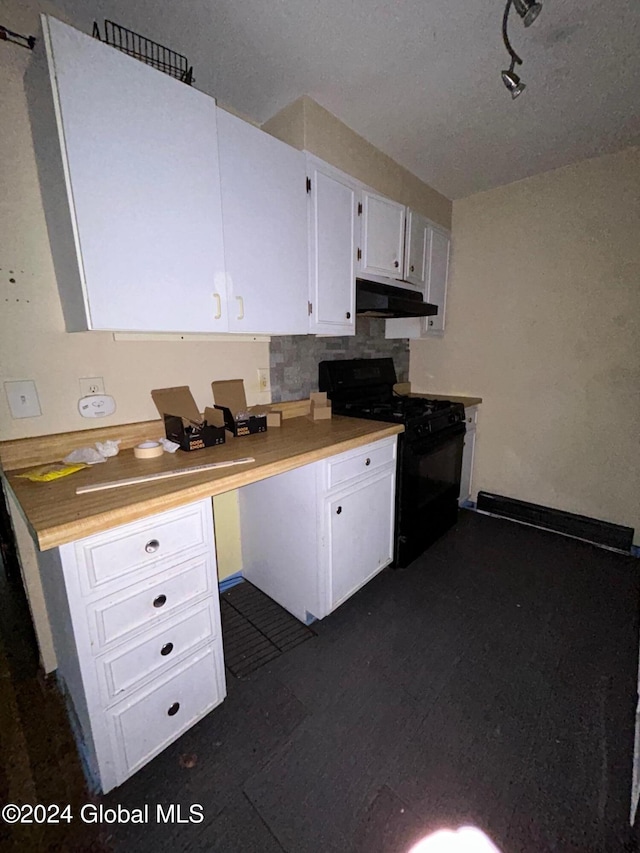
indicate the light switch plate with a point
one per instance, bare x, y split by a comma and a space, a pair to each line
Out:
23, 399
96, 406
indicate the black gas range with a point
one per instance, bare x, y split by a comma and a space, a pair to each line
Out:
429, 450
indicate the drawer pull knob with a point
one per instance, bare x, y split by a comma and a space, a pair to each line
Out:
160, 600
152, 546
166, 649
396, 264
367, 461
339, 510
173, 709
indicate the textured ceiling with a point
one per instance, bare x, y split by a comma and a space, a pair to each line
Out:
420, 79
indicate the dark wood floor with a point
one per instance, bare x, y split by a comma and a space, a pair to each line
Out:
492, 682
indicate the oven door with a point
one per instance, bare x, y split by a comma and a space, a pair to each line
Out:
429, 486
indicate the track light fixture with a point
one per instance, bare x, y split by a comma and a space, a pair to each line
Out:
512, 82
528, 11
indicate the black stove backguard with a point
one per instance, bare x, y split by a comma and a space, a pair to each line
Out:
429, 451
357, 379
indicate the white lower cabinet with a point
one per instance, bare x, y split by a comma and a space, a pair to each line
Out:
471, 419
140, 653
360, 527
313, 536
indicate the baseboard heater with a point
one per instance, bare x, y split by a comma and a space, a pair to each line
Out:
579, 526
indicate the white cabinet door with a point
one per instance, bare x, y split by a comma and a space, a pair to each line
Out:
332, 251
382, 236
264, 206
140, 162
438, 274
361, 535
416, 249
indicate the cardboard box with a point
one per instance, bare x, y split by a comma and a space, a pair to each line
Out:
292, 408
183, 423
320, 406
274, 419
239, 419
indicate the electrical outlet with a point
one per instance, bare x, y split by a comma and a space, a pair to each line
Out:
94, 385
23, 399
264, 382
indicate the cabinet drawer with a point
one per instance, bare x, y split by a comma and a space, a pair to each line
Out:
359, 463
147, 724
114, 617
122, 670
109, 555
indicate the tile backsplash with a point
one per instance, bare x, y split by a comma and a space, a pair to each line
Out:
293, 359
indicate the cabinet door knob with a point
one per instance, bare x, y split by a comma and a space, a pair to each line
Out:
160, 601
367, 461
152, 546
396, 264
173, 709
348, 315
412, 268
166, 649
339, 510
431, 322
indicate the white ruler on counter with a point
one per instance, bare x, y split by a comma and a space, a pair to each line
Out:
161, 475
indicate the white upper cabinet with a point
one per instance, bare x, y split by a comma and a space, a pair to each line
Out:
416, 249
382, 236
436, 242
332, 207
264, 206
128, 163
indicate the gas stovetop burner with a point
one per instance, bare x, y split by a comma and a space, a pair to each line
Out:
397, 408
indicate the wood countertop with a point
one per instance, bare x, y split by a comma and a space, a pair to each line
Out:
56, 515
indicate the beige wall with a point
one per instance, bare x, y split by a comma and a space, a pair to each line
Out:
543, 322
307, 125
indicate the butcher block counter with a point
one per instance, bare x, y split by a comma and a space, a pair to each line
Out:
56, 515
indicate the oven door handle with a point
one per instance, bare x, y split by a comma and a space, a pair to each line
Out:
429, 443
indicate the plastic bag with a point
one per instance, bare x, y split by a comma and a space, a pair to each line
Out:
88, 455
108, 448
45, 473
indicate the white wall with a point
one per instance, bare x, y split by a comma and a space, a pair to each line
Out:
543, 322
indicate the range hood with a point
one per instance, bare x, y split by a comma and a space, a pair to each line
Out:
374, 299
